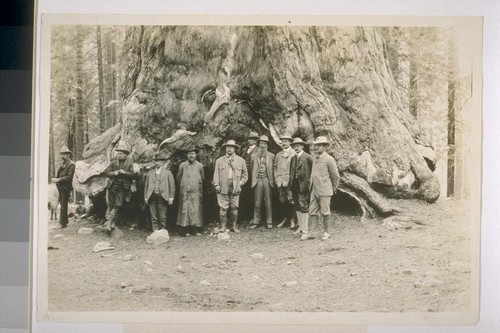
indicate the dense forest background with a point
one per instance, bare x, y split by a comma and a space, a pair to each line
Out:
200, 76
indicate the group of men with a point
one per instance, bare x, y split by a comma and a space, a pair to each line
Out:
304, 184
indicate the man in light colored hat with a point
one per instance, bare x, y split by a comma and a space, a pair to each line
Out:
230, 175
262, 165
190, 177
121, 174
246, 206
159, 191
324, 183
300, 178
282, 179
64, 183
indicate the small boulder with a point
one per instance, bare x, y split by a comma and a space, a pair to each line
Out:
289, 284
103, 246
85, 231
158, 237
58, 236
223, 236
257, 256
205, 283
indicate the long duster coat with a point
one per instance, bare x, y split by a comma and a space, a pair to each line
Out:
190, 177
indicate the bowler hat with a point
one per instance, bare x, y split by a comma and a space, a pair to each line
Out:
263, 138
231, 143
253, 135
321, 140
161, 156
123, 148
65, 150
298, 141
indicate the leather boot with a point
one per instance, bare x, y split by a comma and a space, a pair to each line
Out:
300, 222
310, 225
234, 218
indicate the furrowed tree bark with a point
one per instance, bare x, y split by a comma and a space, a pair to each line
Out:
222, 82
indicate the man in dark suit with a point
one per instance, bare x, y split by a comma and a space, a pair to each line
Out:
262, 165
159, 191
300, 177
121, 174
246, 200
64, 183
324, 183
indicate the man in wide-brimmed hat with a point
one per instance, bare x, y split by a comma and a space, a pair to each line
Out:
230, 175
300, 177
121, 174
64, 183
324, 182
282, 178
246, 206
190, 177
262, 165
159, 191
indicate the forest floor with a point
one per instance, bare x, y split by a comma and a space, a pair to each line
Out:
419, 264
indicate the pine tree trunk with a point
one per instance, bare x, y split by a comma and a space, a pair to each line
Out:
308, 81
79, 108
108, 82
102, 116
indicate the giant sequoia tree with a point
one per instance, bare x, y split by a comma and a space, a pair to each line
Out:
224, 81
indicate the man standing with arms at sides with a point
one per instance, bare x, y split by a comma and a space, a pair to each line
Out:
246, 191
262, 165
282, 178
324, 183
298, 190
159, 191
121, 174
190, 177
230, 175
64, 183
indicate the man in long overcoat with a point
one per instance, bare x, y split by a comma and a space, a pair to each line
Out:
300, 177
262, 165
64, 183
159, 191
230, 175
246, 206
324, 183
190, 177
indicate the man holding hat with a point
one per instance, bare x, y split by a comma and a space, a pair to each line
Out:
64, 183
282, 177
246, 191
191, 176
230, 175
300, 177
262, 165
324, 183
159, 191
121, 174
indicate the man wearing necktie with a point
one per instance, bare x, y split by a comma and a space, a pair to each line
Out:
230, 174
262, 165
282, 178
159, 191
298, 190
64, 183
324, 183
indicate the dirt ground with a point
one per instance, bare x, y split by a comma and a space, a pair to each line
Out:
416, 264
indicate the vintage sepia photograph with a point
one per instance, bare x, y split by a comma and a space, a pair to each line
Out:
260, 165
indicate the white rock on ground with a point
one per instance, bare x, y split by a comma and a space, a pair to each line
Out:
158, 237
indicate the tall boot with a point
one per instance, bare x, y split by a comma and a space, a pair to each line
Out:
223, 220
292, 217
234, 218
327, 221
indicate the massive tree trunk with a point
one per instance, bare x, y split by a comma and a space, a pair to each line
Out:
308, 81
